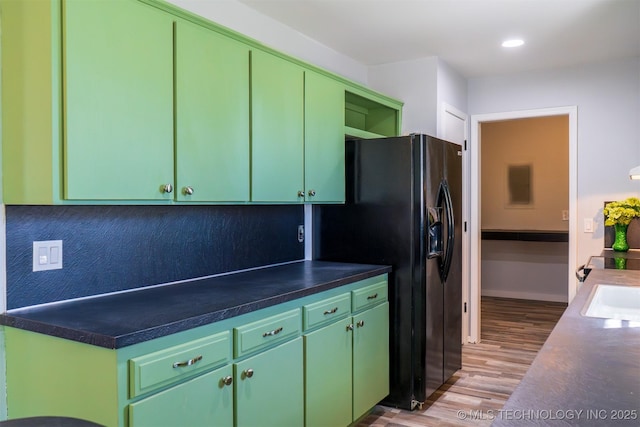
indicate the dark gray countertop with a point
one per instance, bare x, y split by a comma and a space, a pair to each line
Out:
588, 371
119, 320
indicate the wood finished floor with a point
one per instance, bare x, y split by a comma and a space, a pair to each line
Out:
513, 332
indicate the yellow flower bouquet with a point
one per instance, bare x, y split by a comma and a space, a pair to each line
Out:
622, 212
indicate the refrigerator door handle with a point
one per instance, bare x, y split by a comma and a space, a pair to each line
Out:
444, 199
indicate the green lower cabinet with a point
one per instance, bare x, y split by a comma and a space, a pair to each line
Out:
203, 401
328, 377
269, 388
347, 368
328, 371
370, 358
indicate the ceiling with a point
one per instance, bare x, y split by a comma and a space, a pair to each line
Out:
466, 34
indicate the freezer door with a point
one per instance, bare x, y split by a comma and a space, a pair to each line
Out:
430, 309
453, 281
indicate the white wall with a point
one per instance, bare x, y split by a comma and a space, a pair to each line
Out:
243, 19
424, 85
452, 90
415, 83
525, 270
607, 97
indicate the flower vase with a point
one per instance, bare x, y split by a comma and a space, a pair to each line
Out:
620, 243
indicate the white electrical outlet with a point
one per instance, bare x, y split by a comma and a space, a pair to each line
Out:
565, 215
47, 255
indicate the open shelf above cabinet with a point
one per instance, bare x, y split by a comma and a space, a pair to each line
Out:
370, 118
359, 133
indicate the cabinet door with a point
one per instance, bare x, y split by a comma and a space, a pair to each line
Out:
370, 358
118, 101
324, 139
277, 153
328, 374
203, 401
212, 116
269, 387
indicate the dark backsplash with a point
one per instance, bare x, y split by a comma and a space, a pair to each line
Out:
114, 248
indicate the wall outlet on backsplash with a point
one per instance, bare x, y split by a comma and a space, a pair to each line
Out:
47, 255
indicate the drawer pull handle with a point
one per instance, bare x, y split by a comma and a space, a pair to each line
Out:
350, 327
247, 373
271, 333
360, 323
187, 362
374, 296
332, 311
228, 380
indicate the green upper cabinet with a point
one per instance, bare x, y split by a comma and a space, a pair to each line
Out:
324, 139
139, 101
277, 120
212, 116
118, 81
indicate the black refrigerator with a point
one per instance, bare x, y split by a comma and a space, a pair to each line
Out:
403, 208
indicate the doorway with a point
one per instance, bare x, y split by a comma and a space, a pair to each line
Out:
475, 220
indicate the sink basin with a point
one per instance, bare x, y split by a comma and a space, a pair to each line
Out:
614, 302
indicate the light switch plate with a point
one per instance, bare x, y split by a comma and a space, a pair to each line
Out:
47, 255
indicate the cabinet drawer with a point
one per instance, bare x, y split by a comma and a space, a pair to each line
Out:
161, 368
325, 311
369, 296
266, 332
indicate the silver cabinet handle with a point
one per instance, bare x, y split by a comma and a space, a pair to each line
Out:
187, 362
300, 193
332, 311
247, 373
166, 188
187, 191
360, 323
228, 380
350, 327
312, 193
271, 333
374, 296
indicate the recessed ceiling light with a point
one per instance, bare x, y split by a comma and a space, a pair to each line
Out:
512, 43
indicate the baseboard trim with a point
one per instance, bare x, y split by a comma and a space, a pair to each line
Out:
524, 295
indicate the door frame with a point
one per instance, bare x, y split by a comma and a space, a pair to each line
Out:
447, 109
474, 254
